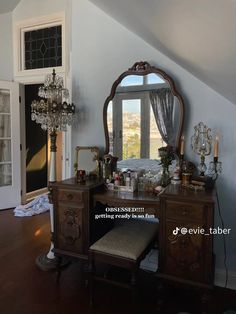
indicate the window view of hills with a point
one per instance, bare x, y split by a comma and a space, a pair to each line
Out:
131, 131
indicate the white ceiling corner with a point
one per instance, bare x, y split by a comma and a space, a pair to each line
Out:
8, 5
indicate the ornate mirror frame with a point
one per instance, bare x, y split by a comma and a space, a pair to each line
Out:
143, 68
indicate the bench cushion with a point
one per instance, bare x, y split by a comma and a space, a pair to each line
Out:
128, 240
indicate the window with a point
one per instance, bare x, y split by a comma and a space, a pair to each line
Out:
110, 125
132, 80
154, 79
5, 139
39, 44
132, 128
43, 48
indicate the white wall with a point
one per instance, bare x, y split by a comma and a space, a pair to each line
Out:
101, 50
27, 9
6, 65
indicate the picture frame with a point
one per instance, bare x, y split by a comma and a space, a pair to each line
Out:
87, 159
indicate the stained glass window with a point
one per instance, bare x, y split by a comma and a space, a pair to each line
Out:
43, 48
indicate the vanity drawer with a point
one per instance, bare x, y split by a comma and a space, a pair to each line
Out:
184, 257
181, 210
70, 196
70, 235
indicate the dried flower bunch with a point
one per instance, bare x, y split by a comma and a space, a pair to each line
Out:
167, 156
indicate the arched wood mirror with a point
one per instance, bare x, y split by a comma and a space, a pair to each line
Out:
143, 112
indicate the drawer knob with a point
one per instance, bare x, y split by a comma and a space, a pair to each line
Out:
69, 196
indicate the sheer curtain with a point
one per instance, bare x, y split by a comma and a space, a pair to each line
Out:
5, 139
162, 102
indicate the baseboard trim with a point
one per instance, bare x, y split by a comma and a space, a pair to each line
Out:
220, 279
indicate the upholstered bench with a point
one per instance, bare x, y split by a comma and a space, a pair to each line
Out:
124, 246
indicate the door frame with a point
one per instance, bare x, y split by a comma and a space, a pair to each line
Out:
66, 139
12, 193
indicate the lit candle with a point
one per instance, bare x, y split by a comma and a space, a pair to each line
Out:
182, 145
216, 146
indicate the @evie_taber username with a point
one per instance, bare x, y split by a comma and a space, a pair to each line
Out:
197, 231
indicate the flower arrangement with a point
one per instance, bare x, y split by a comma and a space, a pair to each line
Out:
167, 156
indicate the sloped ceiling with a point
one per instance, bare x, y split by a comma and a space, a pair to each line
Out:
8, 5
198, 35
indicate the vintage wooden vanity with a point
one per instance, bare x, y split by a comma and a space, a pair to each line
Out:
183, 258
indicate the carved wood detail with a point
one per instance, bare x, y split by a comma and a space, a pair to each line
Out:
141, 66
70, 228
185, 251
186, 256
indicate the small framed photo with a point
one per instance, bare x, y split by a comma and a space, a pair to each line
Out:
87, 159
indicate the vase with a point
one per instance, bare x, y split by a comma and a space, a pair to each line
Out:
165, 177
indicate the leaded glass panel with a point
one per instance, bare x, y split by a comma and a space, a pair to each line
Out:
43, 48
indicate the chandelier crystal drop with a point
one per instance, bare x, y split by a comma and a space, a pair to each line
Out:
52, 111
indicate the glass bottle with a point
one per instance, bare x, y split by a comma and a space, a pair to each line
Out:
165, 177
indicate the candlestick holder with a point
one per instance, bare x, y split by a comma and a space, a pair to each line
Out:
181, 158
215, 168
202, 166
182, 165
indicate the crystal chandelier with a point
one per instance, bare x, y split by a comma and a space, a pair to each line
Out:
52, 111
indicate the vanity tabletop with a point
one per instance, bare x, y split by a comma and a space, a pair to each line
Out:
72, 184
137, 202
181, 192
136, 198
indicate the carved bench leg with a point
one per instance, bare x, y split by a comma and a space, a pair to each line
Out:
58, 268
160, 297
91, 272
85, 273
205, 298
134, 273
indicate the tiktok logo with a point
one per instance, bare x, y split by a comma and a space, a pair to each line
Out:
176, 231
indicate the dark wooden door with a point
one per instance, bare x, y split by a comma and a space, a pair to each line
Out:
36, 146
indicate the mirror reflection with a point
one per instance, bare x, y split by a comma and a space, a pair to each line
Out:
143, 116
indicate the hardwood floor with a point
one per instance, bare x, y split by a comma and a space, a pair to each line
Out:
24, 289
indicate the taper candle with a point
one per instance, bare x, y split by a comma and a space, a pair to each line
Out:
216, 147
182, 145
